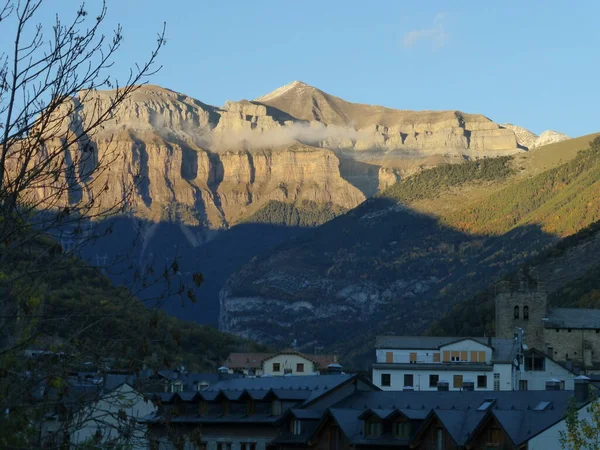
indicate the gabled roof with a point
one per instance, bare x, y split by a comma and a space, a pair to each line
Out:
255, 360
577, 318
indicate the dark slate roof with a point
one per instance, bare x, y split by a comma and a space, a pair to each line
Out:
572, 318
460, 424
457, 410
197, 418
305, 414
504, 349
314, 385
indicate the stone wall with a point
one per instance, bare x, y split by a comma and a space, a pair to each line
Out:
510, 296
573, 344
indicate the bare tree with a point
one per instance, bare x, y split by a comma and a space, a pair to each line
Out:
54, 181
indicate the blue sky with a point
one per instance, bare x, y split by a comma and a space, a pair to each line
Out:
534, 64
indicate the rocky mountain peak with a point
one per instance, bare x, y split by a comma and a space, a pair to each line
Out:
530, 140
294, 85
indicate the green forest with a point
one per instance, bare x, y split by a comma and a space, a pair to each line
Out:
304, 213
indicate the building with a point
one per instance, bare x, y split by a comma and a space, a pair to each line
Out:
285, 362
243, 414
505, 420
567, 335
112, 420
421, 363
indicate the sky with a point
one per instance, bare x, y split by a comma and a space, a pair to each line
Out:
530, 63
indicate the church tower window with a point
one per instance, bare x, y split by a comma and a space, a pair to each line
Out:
516, 311
525, 312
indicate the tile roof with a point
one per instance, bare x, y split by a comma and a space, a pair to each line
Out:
255, 360
572, 318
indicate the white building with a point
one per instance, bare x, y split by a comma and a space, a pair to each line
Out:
112, 420
488, 363
422, 362
285, 362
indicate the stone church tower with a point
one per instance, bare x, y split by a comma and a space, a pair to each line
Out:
521, 303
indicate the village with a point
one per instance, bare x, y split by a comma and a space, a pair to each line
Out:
513, 391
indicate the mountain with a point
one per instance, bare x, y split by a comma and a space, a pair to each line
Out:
255, 173
529, 140
400, 260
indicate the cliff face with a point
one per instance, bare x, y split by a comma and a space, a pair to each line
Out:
211, 167
202, 169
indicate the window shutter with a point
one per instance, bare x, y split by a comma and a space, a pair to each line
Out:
436, 357
446, 356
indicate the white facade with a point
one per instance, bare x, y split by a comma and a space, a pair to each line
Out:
288, 363
550, 438
455, 362
535, 380
113, 419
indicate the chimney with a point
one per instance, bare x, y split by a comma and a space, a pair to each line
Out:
223, 372
582, 388
443, 386
468, 385
553, 385
334, 369
408, 389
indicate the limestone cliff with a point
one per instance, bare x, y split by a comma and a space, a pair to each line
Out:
530, 140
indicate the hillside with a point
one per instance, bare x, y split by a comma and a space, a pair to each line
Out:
291, 159
569, 271
387, 266
85, 315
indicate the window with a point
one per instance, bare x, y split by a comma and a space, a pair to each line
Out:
481, 356
562, 385
299, 367
455, 356
525, 312
482, 381
177, 387
464, 356
522, 385
535, 362
569, 330
516, 312
408, 379
223, 445
250, 407
334, 438
372, 427
276, 367
296, 427
386, 379
496, 381
225, 407
439, 439
413, 358
436, 357
276, 408
203, 407
458, 381
433, 380
389, 357
402, 429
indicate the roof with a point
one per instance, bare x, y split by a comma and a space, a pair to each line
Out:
458, 411
572, 318
503, 349
255, 360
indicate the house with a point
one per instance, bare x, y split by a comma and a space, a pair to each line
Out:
420, 363
537, 368
243, 414
570, 336
180, 380
112, 420
427, 420
285, 362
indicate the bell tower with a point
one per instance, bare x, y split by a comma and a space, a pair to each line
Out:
521, 303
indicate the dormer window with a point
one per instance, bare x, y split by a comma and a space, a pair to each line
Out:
177, 387
373, 427
202, 385
402, 429
296, 427
516, 312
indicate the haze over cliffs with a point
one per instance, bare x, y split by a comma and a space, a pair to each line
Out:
200, 170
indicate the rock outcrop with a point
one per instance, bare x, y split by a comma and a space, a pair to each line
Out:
529, 140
